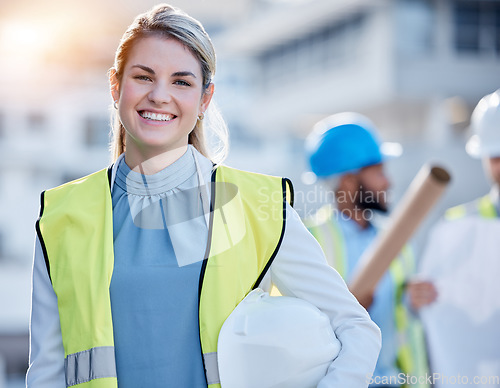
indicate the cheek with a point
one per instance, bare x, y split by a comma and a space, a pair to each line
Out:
190, 101
495, 169
128, 93
188, 106
379, 184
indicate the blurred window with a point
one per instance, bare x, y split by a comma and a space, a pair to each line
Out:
96, 132
328, 45
37, 122
415, 24
467, 27
497, 30
477, 27
2, 246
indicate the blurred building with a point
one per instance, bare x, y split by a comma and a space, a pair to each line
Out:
415, 67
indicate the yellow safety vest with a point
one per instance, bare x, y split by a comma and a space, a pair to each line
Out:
482, 207
75, 228
411, 357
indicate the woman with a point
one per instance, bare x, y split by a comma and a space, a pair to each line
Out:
136, 267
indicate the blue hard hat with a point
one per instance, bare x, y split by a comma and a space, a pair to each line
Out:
345, 142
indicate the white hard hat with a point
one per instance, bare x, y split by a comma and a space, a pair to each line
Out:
485, 123
275, 342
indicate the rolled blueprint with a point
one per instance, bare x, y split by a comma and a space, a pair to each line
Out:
424, 191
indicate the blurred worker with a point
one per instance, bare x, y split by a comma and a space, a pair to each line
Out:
345, 152
463, 259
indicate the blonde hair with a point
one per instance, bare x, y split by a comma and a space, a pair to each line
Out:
170, 22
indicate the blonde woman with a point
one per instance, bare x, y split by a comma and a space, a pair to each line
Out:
137, 266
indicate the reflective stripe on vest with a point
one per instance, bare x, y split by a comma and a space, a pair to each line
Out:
95, 363
411, 354
76, 232
487, 208
328, 233
482, 207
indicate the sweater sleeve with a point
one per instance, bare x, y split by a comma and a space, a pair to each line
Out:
46, 359
300, 270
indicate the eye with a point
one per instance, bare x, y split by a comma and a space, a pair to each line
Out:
143, 78
181, 82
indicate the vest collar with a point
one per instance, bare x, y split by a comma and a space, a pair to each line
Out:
202, 171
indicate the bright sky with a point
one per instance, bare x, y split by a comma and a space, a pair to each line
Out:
32, 31
21, 41
71, 31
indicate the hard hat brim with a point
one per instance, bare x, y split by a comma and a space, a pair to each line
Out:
477, 150
388, 152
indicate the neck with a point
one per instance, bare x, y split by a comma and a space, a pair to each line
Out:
149, 163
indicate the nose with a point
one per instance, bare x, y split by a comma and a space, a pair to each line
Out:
159, 94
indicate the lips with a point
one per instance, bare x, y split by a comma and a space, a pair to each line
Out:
156, 116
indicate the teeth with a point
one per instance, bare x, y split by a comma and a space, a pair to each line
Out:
156, 116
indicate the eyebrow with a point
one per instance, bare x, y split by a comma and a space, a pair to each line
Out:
183, 74
145, 68
176, 74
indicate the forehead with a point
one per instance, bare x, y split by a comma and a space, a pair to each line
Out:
494, 161
159, 52
373, 169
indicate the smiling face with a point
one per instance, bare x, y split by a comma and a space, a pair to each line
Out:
159, 97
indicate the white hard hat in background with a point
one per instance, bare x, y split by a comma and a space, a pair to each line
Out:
275, 342
485, 122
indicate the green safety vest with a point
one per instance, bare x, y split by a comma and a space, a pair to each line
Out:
412, 356
75, 228
482, 207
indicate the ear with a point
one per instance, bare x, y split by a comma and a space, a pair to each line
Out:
114, 84
206, 98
